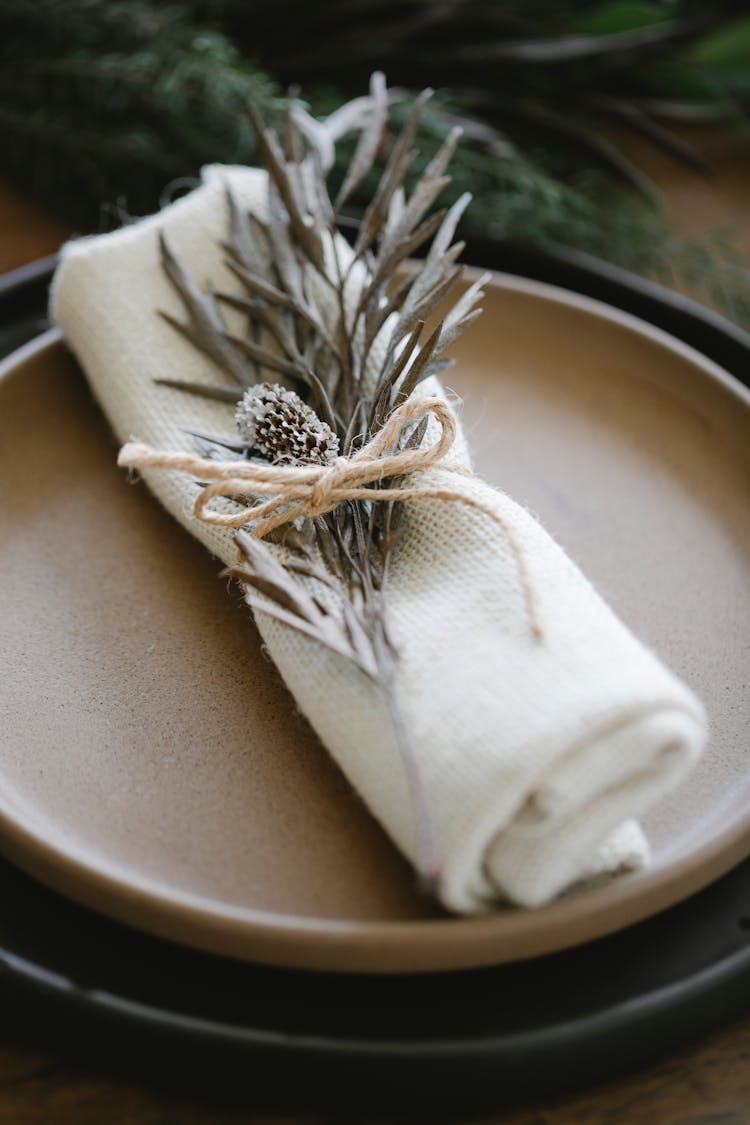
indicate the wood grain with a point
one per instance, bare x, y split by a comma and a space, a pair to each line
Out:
708, 1084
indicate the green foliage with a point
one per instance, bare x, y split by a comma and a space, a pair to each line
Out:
621, 15
105, 103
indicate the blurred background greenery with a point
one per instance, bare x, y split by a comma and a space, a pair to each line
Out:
109, 107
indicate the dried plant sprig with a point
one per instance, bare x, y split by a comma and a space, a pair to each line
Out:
343, 328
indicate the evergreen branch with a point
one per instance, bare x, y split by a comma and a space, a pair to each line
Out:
104, 102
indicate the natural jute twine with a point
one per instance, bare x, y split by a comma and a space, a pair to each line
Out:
309, 491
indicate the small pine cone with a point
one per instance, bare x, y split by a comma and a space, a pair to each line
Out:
277, 424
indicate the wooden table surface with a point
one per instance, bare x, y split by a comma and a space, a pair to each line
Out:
709, 1084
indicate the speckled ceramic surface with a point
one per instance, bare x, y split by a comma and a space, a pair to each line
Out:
149, 766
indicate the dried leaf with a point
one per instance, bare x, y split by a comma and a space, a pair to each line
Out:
203, 390
204, 327
399, 162
369, 141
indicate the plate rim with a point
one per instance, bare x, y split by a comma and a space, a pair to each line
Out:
354, 946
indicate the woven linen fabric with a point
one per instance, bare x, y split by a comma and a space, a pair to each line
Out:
536, 755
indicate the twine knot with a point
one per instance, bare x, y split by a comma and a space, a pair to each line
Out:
323, 491
309, 491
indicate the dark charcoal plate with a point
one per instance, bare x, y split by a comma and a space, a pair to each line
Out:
465, 1040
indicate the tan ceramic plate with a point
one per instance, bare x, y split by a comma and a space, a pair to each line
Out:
150, 766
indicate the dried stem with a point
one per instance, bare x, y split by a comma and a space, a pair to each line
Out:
340, 326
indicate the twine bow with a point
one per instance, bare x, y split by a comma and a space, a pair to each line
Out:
309, 491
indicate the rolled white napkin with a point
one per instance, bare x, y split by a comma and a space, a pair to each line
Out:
535, 755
